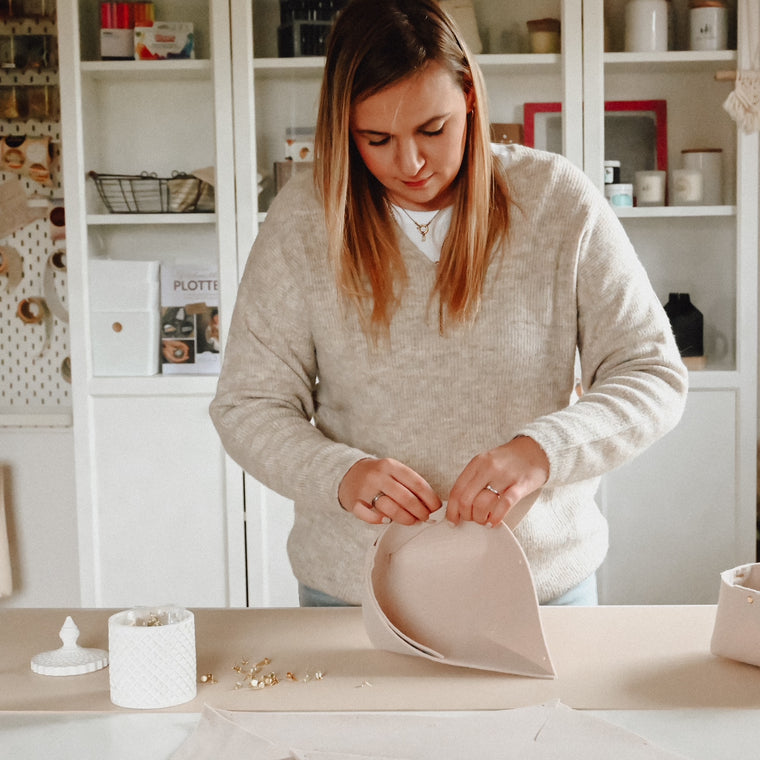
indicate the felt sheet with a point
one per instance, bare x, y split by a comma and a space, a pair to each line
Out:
540, 732
461, 596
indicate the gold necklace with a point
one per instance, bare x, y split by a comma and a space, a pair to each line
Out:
423, 229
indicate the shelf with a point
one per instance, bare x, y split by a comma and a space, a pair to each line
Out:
671, 62
155, 385
659, 212
519, 61
313, 65
708, 379
150, 71
106, 220
299, 65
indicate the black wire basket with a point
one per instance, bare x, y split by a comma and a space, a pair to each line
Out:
147, 193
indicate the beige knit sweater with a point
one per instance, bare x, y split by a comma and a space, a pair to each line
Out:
568, 277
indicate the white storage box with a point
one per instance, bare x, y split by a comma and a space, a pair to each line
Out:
124, 303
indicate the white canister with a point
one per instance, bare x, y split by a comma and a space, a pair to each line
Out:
152, 657
646, 26
709, 161
686, 187
708, 25
619, 195
649, 188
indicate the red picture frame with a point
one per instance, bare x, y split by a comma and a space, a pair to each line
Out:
654, 109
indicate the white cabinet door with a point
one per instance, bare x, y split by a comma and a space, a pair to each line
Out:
159, 522
673, 512
268, 520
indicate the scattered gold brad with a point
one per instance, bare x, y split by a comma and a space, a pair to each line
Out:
254, 678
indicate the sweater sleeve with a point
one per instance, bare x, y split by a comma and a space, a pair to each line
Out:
264, 402
634, 380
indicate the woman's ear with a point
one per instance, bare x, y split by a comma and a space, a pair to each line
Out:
469, 98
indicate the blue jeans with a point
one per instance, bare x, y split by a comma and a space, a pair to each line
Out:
582, 595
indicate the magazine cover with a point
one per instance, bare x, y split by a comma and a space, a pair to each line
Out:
189, 321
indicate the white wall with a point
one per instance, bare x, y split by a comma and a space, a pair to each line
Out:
41, 516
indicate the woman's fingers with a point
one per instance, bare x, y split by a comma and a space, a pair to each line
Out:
494, 481
378, 489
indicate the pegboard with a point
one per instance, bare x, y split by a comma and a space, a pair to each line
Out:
34, 365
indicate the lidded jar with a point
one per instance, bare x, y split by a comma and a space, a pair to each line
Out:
646, 26
708, 25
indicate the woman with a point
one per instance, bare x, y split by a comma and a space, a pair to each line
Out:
421, 301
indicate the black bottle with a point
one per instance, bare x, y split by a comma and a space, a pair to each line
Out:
687, 323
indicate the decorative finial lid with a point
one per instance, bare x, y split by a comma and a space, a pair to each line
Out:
70, 659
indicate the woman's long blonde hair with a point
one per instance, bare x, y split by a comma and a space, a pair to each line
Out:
374, 44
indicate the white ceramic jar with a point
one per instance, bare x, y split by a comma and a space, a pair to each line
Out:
646, 26
708, 25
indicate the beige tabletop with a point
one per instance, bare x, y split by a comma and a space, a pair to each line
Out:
616, 658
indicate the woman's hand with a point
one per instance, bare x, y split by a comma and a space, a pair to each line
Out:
381, 490
493, 482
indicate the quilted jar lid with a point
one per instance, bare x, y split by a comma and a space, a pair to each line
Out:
70, 659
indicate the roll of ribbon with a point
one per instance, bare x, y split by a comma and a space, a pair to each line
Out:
57, 217
11, 266
56, 262
28, 156
34, 311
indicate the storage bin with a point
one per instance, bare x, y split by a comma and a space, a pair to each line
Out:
124, 305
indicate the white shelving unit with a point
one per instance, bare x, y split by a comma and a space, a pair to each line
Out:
160, 508
686, 509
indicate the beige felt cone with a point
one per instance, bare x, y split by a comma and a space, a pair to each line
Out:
459, 595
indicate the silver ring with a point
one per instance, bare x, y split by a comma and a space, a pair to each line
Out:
375, 498
490, 488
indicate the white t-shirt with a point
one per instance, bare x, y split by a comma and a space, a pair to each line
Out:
439, 221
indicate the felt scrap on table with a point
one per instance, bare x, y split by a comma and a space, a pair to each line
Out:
540, 732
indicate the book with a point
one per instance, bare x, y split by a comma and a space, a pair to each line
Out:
189, 321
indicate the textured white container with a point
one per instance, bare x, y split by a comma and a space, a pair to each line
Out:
152, 666
646, 26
